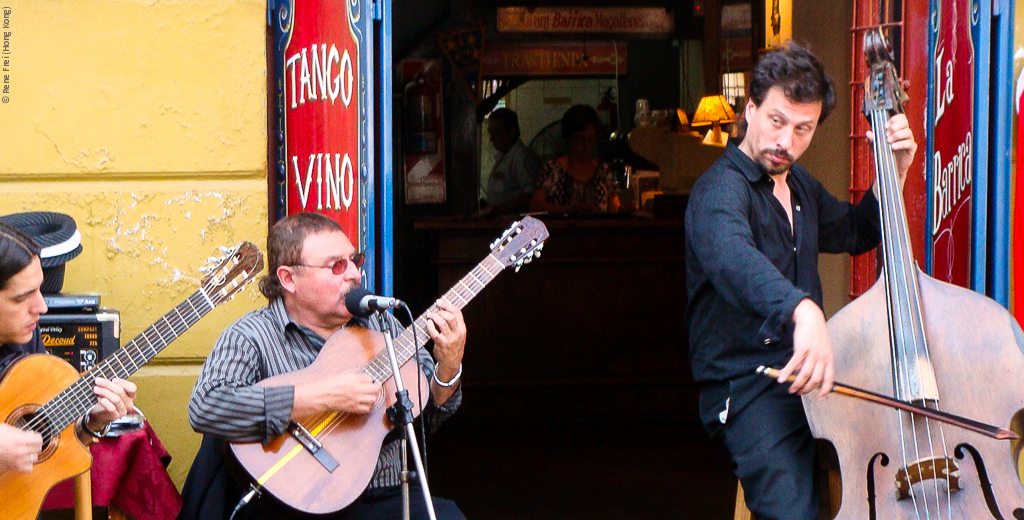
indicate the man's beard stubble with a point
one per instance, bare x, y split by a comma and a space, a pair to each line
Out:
772, 168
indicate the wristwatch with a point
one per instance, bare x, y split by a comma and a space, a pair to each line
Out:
100, 434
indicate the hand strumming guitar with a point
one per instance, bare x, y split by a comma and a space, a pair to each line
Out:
19, 449
351, 392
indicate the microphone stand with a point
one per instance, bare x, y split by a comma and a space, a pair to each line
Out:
400, 415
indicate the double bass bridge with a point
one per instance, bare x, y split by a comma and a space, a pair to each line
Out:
941, 468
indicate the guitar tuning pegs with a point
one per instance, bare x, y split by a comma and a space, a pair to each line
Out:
226, 250
495, 243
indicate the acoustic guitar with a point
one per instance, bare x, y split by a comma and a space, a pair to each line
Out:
325, 461
43, 393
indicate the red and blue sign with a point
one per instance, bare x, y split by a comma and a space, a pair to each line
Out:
950, 162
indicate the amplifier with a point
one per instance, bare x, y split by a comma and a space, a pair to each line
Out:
82, 339
73, 303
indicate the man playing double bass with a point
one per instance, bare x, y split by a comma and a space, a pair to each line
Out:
755, 224
312, 267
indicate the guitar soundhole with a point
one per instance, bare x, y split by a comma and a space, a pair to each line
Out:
24, 417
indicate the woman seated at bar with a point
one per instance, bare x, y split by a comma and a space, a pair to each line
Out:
576, 183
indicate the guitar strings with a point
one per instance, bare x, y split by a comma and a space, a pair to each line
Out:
78, 398
406, 348
81, 391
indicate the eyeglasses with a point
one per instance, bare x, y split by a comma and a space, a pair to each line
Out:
341, 265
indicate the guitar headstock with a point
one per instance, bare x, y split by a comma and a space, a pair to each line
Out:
241, 265
521, 243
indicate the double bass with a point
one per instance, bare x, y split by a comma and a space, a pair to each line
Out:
928, 343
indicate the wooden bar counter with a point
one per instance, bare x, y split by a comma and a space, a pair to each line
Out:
592, 330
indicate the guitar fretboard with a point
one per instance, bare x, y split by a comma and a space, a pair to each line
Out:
76, 400
414, 337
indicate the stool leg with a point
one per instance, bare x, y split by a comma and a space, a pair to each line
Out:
83, 496
113, 513
742, 513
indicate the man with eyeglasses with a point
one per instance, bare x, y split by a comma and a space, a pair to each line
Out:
312, 267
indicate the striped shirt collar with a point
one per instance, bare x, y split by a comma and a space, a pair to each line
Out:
282, 319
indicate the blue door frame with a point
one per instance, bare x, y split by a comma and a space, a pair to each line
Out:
992, 31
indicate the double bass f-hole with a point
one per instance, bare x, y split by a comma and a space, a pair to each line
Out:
932, 345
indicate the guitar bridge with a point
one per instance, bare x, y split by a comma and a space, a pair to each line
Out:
313, 446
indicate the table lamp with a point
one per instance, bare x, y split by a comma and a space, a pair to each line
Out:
714, 110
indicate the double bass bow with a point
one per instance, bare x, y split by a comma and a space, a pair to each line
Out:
930, 344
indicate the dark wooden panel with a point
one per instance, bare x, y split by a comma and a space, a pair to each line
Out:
593, 328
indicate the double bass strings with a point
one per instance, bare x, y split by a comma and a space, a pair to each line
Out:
905, 331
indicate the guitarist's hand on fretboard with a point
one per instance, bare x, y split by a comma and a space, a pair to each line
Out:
114, 399
448, 330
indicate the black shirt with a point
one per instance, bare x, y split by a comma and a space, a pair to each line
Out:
746, 271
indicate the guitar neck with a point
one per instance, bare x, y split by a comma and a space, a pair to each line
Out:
76, 400
413, 338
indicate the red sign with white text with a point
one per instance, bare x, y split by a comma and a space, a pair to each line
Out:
321, 103
951, 160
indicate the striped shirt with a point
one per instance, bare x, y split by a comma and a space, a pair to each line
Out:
227, 402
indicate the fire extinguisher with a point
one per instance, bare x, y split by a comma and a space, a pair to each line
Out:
608, 112
420, 109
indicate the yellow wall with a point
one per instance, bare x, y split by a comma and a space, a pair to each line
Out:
146, 122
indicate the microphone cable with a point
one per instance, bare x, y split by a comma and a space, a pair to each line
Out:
253, 492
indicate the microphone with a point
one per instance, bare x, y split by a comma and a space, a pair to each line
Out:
362, 303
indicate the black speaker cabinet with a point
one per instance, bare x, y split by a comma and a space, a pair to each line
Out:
82, 339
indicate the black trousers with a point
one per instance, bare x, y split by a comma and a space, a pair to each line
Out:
373, 504
386, 504
766, 432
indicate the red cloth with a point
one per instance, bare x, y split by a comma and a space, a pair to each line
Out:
128, 472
